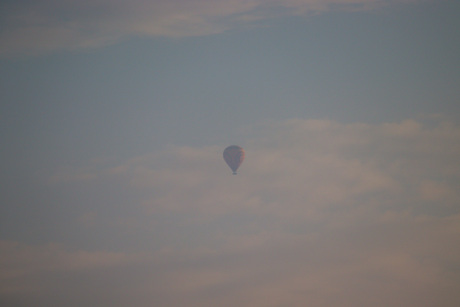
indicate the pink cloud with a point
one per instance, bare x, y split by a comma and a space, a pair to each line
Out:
47, 25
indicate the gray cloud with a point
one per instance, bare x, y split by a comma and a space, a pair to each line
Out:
31, 27
398, 262
321, 212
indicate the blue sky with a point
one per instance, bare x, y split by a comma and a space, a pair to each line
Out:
114, 116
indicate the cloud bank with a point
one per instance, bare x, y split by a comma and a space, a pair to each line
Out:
320, 214
31, 27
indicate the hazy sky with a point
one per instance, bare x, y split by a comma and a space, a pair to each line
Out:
114, 115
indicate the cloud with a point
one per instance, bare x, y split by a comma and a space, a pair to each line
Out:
321, 212
31, 27
298, 171
28, 272
309, 166
400, 262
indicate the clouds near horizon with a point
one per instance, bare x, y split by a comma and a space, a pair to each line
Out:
321, 212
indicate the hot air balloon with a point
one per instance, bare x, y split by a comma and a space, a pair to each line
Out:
234, 156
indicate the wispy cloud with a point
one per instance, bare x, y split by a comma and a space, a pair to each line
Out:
321, 212
31, 27
311, 165
399, 261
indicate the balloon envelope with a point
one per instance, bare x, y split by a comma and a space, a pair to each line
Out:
234, 156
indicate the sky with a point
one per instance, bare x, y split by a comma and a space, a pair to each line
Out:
114, 116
